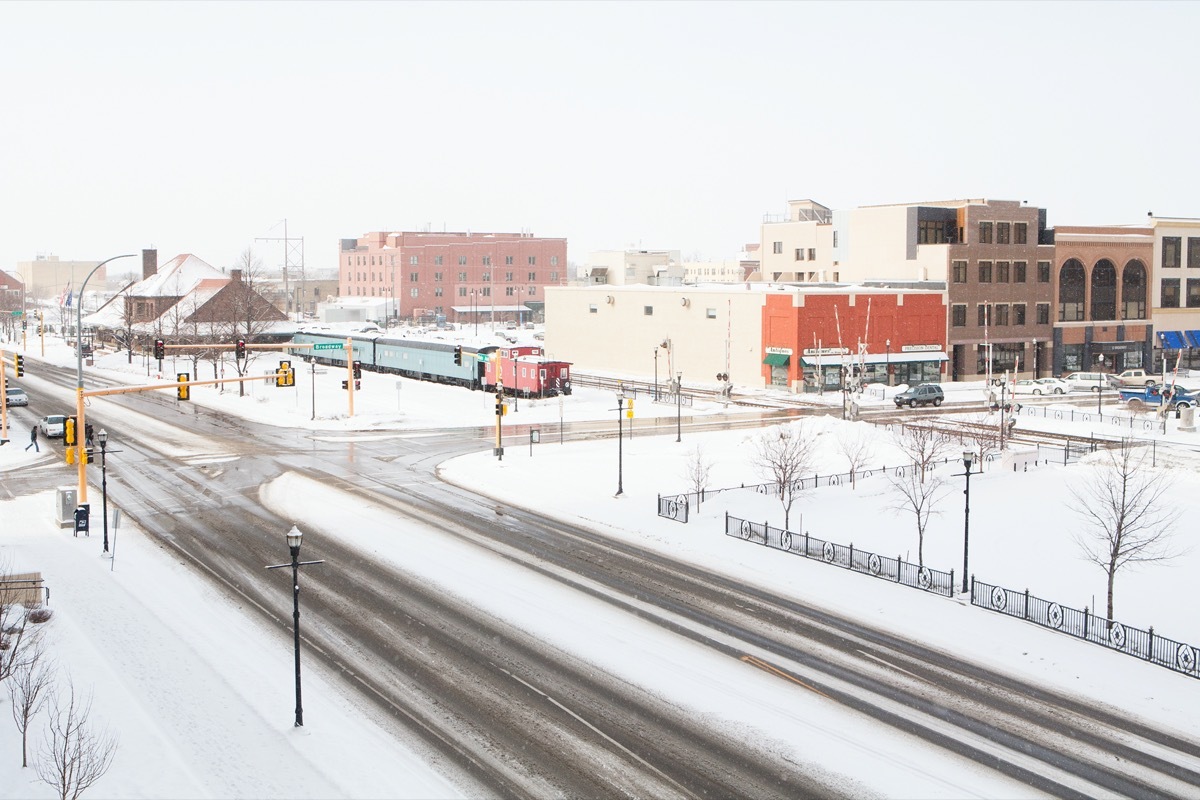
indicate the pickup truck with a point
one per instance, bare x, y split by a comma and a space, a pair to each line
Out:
1154, 395
1132, 377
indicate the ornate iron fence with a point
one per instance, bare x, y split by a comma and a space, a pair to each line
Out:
1143, 644
674, 507
896, 570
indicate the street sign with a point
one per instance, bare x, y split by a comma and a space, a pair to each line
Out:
328, 346
482, 357
18, 313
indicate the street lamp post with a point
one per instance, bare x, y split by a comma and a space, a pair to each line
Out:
678, 406
968, 458
656, 374
79, 459
888, 367
1100, 384
620, 440
293, 539
103, 437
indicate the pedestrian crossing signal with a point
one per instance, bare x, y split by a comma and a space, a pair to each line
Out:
182, 390
285, 375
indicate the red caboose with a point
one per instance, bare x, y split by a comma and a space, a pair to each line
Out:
526, 371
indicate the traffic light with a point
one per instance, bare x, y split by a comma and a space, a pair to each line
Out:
240, 350
69, 432
357, 370
458, 355
358, 384
20, 362
346, 385
499, 406
629, 407
160, 349
181, 391
88, 455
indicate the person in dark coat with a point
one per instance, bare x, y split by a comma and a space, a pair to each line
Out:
33, 440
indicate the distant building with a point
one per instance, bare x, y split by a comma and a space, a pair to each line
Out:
459, 276
1175, 291
47, 278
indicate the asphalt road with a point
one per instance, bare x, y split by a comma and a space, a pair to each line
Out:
511, 716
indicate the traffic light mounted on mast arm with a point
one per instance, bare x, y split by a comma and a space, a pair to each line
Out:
240, 350
19, 362
160, 349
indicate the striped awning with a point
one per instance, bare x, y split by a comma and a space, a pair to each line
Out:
1172, 340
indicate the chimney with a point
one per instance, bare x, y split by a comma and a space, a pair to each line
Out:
236, 275
149, 263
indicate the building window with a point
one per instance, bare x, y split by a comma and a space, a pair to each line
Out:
462, 261
1018, 314
413, 292
812, 254
554, 277
414, 277
1020, 233
372, 261
437, 291
508, 260
1003, 233
835, 233
412, 261
532, 276
648, 311
486, 291
462, 276
437, 261
958, 315
1170, 252
985, 272
487, 276
509, 291
960, 271
1001, 314
799, 253
487, 261
1043, 272
592, 308
985, 314
985, 233
1001, 272
508, 276
532, 261
931, 231
1043, 313
710, 313
462, 291
777, 248
1193, 252
1193, 293
554, 261
1018, 272
437, 276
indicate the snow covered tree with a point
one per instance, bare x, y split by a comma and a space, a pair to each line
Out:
1127, 511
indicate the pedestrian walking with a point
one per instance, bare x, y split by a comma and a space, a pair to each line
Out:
33, 440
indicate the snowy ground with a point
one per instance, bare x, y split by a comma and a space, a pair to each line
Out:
202, 703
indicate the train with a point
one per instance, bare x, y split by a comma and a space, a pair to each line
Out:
511, 369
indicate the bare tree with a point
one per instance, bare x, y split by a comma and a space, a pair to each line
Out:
982, 436
28, 686
18, 635
242, 312
858, 449
785, 454
919, 497
923, 445
1128, 516
697, 470
74, 755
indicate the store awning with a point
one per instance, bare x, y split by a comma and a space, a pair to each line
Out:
874, 358
1193, 338
1172, 340
776, 359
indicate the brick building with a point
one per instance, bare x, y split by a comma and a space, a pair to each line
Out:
463, 276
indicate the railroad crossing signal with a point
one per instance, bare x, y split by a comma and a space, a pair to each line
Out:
182, 390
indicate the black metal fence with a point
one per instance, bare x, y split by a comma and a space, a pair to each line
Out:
674, 507
1111, 422
896, 570
1143, 644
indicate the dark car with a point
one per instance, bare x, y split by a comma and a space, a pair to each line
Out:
924, 395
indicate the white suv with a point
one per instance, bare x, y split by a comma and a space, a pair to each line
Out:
53, 426
1087, 381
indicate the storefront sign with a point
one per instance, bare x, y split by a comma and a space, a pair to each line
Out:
823, 351
920, 348
783, 351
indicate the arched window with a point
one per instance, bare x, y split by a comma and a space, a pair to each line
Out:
1133, 290
1104, 290
1072, 288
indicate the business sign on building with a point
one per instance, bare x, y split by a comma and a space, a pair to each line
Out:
825, 351
920, 348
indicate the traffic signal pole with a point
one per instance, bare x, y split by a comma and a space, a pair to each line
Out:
350, 372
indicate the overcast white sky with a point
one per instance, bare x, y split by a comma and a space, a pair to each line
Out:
197, 127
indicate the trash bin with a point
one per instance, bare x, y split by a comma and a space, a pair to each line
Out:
65, 502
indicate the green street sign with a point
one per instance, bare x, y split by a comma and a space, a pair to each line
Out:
328, 346
482, 357
18, 313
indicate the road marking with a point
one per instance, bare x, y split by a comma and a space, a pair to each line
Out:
765, 667
893, 666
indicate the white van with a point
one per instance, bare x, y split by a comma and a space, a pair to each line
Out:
1087, 381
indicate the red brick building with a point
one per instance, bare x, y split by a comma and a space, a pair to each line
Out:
464, 276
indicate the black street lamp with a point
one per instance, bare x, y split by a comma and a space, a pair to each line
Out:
103, 437
620, 440
1100, 384
678, 406
656, 374
888, 367
968, 458
293, 539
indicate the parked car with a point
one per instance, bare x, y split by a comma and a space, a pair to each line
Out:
922, 395
1133, 377
15, 396
52, 426
1054, 385
1087, 381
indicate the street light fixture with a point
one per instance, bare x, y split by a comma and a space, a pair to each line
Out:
620, 440
678, 406
968, 458
888, 367
102, 436
293, 539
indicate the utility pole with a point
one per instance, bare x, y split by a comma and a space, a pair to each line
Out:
293, 254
